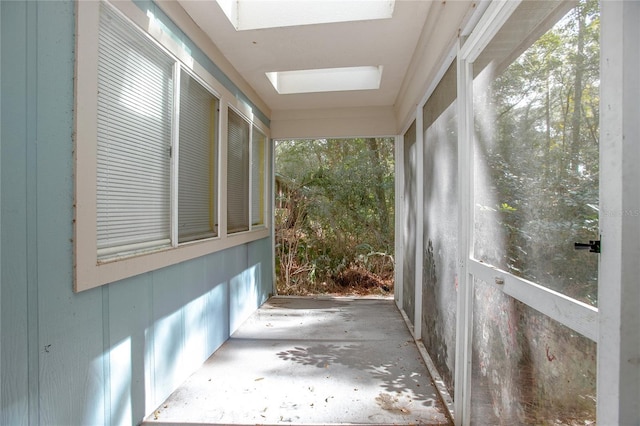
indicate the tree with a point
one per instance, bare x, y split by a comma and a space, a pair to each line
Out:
543, 156
337, 194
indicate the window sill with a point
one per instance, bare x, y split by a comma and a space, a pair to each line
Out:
91, 273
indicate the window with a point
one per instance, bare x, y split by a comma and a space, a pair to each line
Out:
258, 158
141, 91
148, 170
237, 174
252, 15
245, 175
134, 140
197, 184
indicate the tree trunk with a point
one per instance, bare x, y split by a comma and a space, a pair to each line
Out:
381, 201
577, 93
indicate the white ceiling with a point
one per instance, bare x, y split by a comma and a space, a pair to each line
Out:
390, 43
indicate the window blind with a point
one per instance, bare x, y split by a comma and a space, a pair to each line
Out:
237, 174
197, 158
134, 137
257, 177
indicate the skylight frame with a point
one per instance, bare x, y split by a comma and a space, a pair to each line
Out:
259, 14
326, 79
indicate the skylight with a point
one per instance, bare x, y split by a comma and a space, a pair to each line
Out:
256, 14
326, 80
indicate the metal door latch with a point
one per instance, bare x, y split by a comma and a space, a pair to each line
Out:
592, 246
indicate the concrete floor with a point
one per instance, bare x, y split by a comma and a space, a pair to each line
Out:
311, 361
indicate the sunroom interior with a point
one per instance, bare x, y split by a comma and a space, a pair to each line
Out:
517, 203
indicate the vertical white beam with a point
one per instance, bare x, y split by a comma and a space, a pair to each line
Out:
464, 308
271, 146
619, 290
419, 225
399, 220
251, 177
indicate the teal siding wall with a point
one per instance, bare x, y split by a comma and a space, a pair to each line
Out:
112, 354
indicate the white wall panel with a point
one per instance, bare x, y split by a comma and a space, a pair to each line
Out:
336, 123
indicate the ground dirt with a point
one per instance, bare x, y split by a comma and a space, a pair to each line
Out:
362, 282
353, 281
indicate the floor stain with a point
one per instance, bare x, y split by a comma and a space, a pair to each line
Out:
390, 403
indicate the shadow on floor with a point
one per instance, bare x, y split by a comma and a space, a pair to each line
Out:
311, 361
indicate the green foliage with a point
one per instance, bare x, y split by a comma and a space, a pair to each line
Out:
334, 208
506, 208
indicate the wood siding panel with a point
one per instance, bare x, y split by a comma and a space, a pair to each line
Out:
14, 266
260, 255
128, 351
218, 305
168, 331
112, 354
69, 338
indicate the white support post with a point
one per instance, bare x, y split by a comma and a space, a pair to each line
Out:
619, 290
271, 152
251, 177
464, 308
399, 220
419, 225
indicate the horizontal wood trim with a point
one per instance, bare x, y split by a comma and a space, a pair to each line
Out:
574, 314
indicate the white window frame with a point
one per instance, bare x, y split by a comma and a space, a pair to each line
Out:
252, 127
91, 272
243, 118
265, 168
176, 158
